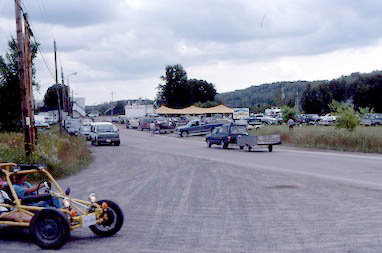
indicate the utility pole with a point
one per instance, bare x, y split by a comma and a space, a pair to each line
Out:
22, 70
65, 102
57, 84
28, 79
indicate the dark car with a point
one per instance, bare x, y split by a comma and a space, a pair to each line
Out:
144, 123
254, 121
300, 119
226, 134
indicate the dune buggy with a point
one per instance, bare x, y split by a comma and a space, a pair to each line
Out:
50, 227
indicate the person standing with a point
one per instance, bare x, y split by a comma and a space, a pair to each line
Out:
152, 128
290, 124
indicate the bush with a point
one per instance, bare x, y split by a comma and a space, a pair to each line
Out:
63, 154
346, 115
288, 113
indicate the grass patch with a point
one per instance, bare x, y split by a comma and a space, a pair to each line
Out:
362, 139
64, 155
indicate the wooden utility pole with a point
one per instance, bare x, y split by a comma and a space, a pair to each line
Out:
65, 99
22, 76
28, 77
57, 84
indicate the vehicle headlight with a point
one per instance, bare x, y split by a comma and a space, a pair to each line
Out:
66, 202
92, 197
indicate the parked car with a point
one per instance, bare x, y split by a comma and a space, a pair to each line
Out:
226, 134
329, 117
300, 119
196, 126
104, 133
270, 120
325, 122
164, 125
74, 128
41, 125
144, 123
87, 122
85, 131
132, 123
366, 120
377, 119
312, 119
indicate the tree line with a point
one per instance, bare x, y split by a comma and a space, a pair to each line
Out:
360, 90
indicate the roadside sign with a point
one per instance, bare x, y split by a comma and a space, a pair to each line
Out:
240, 113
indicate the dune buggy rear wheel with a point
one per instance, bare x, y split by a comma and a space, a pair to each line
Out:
50, 229
114, 220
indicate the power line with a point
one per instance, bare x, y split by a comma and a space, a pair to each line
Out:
39, 49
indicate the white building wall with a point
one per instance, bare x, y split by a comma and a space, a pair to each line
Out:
133, 111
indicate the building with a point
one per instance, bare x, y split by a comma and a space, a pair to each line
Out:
138, 110
79, 108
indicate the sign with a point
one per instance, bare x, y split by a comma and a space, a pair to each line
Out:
240, 113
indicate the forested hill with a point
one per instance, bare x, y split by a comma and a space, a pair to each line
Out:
285, 93
266, 94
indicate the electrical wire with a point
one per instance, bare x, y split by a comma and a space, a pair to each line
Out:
35, 39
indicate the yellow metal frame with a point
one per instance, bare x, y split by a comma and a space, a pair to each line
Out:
75, 221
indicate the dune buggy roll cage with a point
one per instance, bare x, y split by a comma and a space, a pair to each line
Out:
77, 211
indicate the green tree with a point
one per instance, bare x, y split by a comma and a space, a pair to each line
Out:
288, 113
201, 90
51, 99
10, 97
175, 92
346, 115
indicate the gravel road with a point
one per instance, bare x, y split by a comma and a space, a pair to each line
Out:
180, 196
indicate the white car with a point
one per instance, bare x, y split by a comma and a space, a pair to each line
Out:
329, 117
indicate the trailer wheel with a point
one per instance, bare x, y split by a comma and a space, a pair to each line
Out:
270, 148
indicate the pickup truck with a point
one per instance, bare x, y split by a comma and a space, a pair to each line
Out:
238, 134
196, 127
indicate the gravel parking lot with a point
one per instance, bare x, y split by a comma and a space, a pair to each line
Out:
180, 196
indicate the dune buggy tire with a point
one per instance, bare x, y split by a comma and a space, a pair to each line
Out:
50, 229
114, 222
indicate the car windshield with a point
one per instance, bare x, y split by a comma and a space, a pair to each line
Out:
106, 128
239, 130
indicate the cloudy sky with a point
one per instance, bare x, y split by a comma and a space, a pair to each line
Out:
120, 48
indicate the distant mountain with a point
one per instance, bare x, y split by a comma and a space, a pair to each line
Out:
279, 93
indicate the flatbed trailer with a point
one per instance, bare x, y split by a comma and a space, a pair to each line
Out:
264, 140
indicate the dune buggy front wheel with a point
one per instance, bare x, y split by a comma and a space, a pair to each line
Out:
114, 220
50, 229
